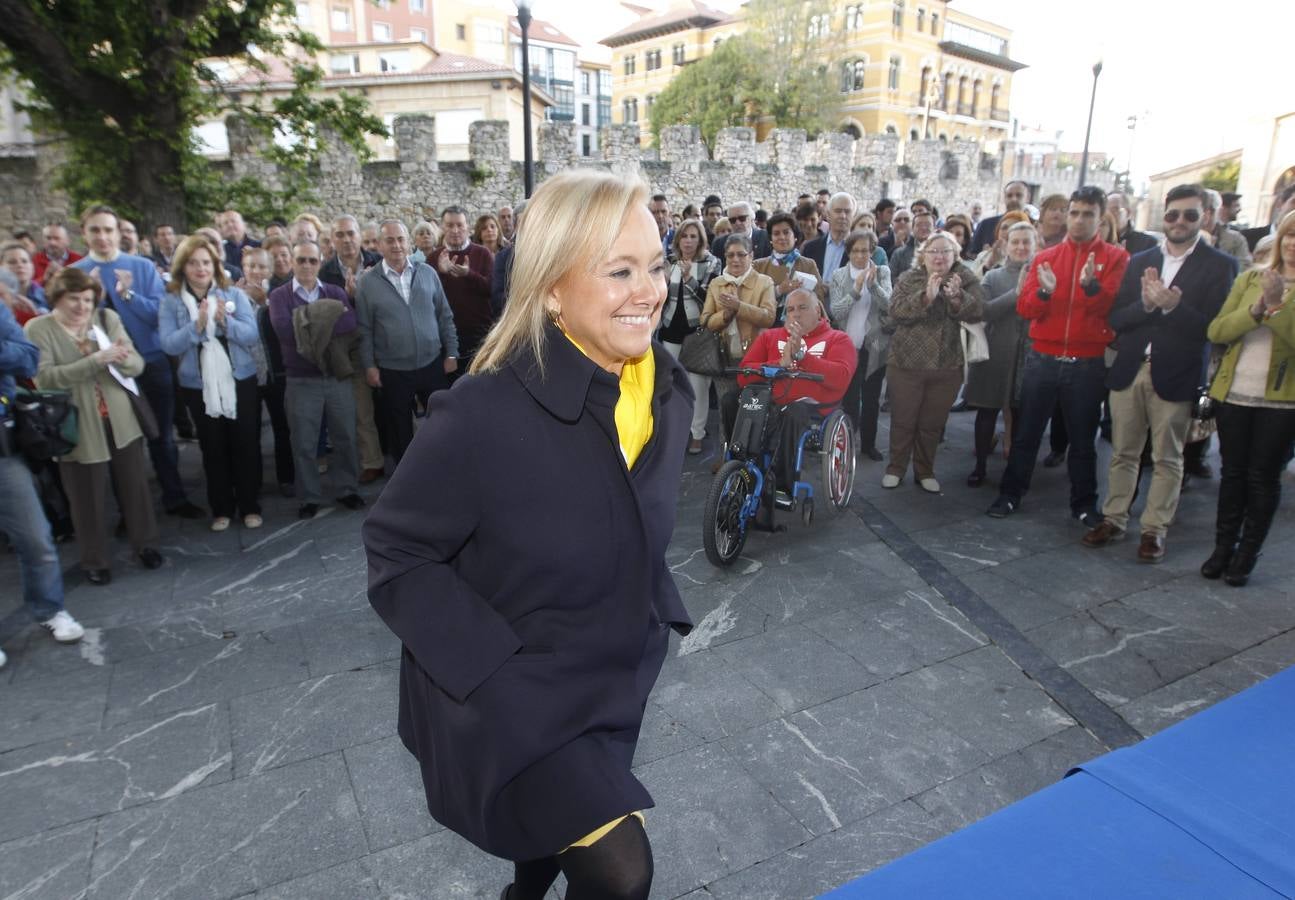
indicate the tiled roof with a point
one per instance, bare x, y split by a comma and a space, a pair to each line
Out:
457, 64
542, 31
690, 14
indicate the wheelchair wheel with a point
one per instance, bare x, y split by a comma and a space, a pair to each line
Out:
807, 511
838, 457
723, 530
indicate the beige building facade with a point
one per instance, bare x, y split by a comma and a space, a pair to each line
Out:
913, 68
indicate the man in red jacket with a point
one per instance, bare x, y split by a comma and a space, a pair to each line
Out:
1067, 294
808, 342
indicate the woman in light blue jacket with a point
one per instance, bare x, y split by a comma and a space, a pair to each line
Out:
210, 326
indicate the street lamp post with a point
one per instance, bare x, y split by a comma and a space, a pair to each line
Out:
528, 161
1083, 163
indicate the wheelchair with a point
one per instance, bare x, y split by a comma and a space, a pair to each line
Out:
744, 493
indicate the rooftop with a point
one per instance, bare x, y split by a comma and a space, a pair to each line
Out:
680, 17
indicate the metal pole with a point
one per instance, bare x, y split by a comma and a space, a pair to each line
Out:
528, 161
1083, 163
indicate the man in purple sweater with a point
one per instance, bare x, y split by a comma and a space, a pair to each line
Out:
311, 395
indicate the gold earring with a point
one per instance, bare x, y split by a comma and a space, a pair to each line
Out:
555, 316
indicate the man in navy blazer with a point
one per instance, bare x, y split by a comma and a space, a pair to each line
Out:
1166, 301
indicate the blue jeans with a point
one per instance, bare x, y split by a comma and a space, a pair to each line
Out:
159, 389
1077, 389
22, 518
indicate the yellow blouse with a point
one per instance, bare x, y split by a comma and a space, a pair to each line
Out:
634, 408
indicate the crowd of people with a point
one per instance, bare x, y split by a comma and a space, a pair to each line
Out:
342, 331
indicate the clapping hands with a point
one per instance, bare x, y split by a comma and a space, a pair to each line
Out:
1155, 295
1047, 277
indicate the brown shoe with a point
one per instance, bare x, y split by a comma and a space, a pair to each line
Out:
1103, 533
368, 476
1152, 548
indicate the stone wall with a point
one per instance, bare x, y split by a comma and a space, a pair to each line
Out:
416, 184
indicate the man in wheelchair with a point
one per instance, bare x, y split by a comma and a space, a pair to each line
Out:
806, 341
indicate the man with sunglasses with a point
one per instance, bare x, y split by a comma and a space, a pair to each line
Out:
311, 395
741, 216
1168, 297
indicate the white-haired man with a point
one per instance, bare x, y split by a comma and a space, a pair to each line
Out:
741, 215
828, 250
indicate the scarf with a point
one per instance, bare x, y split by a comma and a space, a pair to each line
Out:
789, 261
737, 280
218, 397
633, 412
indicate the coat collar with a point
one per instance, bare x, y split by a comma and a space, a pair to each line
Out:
570, 377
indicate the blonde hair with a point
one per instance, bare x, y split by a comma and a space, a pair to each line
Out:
188, 246
1284, 227
583, 212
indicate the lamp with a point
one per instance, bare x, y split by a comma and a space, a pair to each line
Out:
1083, 162
528, 162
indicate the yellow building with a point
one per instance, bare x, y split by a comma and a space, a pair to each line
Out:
915, 68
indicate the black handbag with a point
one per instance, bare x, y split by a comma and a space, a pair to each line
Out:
702, 353
46, 424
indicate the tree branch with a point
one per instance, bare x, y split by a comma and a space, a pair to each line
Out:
36, 47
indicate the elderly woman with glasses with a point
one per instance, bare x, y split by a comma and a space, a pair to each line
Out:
860, 299
929, 305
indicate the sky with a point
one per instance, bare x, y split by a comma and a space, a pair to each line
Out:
1196, 74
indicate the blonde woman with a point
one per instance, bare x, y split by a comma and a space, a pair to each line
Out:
691, 269
519, 552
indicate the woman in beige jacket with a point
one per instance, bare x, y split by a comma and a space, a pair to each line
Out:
87, 352
739, 305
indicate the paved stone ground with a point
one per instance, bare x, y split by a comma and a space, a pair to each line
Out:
227, 728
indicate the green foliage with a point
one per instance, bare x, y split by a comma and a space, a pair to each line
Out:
1223, 177
778, 71
123, 85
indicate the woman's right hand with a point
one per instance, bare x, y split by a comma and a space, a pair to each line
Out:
933, 283
1273, 289
111, 355
200, 324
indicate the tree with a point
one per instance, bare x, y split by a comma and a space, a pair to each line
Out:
1222, 177
123, 86
776, 71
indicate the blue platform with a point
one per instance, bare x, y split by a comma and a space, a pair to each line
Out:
1205, 809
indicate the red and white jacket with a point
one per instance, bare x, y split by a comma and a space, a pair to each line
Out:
1072, 322
828, 352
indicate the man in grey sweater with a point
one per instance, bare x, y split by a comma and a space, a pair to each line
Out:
408, 343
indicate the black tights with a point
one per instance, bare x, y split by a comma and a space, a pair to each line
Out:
986, 421
617, 867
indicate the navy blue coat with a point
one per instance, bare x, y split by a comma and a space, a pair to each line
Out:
1177, 339
523, 567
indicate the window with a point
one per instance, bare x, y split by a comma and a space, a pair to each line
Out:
921, 18
946, 90
847, 79
677, 54
584, 85
820, 26
418, 34
897, 14
935, 24
860, 70
605, 86
586, 145
926, 85
564, 65
460, 32
912, 134
341, 19
586, 117
962, 95
394, 61
892, 81
629, 111
344, 63
604, 111
304, 17
891, 129
651, 101
652, 60
853, 18
630, 62
975, 96
418, 6
381, 31
565, 108
994, 98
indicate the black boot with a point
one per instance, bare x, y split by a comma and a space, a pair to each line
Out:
1218, 562
1227, 525
1241, 565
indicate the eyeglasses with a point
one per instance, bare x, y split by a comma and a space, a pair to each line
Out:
736, 254
738, 218
933, 252
308, 260
1190, 215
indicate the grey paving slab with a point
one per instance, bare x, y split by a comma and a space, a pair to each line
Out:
300, 721
847, 759
662, 735
163, 682
832, 859
349, 881
985, 699
924, 620
53, 865
979, 542
347, 640
1025, 607
1080, 578
225, 841
72, 779
441, 866
1256, 663
1174, 702
1236, 618
389, 791
858, 633
710, 697
711, 819
976, 794
795, 667
59, 706
1121, 653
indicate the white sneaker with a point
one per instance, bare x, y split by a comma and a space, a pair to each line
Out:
3, 659
66, 630
889, 481
930, 485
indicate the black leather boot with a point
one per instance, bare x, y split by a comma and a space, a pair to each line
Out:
1227, 525
1214, 567
1241, 565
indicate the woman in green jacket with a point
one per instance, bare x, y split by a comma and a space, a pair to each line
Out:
86, 351
1255, 393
